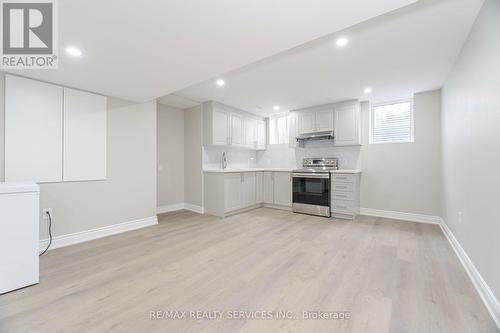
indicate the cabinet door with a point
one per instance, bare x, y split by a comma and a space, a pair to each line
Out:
307, 120
259, 187
84, 136
220, 126
261, 135
293, 130
237, 130
347, 131
251, 133
232, 192
324, 119
268, 185
249, 189
283, 189
33, 131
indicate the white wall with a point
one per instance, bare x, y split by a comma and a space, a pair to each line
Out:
170, 156
129, 193
471, 145
193, 160
405, 177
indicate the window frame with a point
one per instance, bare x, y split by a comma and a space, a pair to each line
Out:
275, 118
412, 121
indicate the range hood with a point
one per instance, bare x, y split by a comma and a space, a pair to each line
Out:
325, 135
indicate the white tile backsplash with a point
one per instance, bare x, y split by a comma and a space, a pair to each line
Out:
236, 157
281, 156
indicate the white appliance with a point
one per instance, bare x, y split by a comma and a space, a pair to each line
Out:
19, 223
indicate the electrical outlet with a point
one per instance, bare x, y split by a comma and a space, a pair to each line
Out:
45, 211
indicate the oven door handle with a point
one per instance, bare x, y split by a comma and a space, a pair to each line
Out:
310, 175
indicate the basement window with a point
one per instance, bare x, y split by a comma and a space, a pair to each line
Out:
392, 122
278, 129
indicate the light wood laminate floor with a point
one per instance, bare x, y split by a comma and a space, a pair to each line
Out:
391, 276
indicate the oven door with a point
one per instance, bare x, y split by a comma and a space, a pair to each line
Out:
311, 193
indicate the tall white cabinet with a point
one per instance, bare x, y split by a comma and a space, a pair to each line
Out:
53, 134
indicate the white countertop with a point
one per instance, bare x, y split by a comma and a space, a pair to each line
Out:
346, 171
247, 170
236, 170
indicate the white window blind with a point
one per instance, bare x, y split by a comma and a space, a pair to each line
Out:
392, 122
278, 129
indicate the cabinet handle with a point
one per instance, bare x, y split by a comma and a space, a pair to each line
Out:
340, 186
341, 195
341, 207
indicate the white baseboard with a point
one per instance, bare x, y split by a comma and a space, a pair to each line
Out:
401, 216
484, 291
194, 208
280, 207
87, 235
179, 206
169, 208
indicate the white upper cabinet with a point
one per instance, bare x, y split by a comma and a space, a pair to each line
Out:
237, 130
347, 124
307, 122
33, 130
227, 126
251, 133
343, 118
53, 134
293, 129
261, 135
84, 136
324, 119
220, 123
315, 119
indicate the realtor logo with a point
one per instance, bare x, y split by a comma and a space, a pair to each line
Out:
29, 36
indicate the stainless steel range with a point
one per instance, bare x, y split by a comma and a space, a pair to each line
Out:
311, 186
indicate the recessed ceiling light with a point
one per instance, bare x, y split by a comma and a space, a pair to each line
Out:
276, 108
342, 41
220, 82
73, 51
368, 90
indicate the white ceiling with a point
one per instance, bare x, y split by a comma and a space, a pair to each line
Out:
406, 51
176, 101
140, 50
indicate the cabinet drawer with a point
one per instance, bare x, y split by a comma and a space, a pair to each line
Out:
343, 178
342, 195
346, 187
343, 206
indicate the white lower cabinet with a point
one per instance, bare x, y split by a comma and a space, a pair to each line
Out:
232, 192
283, 189
226, 193
249, 189
259, 187
278, 188
268, 186
345, 195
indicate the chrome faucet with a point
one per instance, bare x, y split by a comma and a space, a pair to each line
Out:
224, 160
